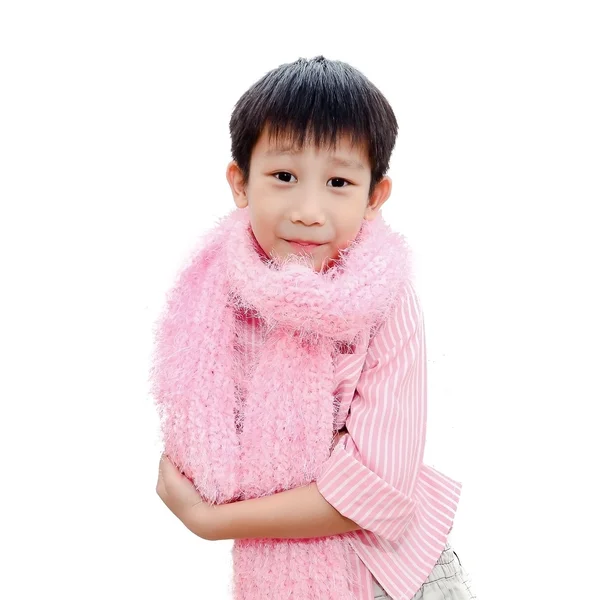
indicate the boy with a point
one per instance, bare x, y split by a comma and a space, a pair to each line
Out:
311, 143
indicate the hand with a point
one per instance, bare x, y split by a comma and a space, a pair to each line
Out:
182, 498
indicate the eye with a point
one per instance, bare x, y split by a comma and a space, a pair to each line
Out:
283, 173
340, 180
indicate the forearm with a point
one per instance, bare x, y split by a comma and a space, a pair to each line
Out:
301, 512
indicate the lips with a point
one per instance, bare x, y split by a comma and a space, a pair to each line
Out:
303, 245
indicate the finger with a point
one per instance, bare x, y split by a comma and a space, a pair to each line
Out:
160, 489
167, 462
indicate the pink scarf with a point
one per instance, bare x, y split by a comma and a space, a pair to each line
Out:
242, 430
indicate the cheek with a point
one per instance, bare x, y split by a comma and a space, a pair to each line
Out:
266, 218
263, 227
346, 235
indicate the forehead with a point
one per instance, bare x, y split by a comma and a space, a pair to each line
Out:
342, 153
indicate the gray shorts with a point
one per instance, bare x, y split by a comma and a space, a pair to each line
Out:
447, 581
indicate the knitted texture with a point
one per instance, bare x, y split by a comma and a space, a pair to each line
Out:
241, 431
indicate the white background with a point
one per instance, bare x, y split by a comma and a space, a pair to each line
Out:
113, 146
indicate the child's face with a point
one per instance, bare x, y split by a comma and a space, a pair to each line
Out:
307, 196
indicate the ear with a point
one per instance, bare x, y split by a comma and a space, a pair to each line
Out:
380, 194
234, 178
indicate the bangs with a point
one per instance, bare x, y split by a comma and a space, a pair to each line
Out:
317, 108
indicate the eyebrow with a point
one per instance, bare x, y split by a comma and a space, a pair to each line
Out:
334, 160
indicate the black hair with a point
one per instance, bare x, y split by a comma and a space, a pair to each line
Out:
316, 99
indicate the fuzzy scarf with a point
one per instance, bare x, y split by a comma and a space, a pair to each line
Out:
241, 430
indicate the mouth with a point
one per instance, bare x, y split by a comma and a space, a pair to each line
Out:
305, 246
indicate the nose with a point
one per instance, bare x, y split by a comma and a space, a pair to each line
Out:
308, 211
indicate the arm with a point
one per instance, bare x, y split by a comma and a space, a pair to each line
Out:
301, 512
372, 472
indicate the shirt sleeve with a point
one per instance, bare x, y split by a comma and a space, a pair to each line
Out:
372, 471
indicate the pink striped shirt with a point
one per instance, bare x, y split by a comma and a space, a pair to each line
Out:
375, 474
